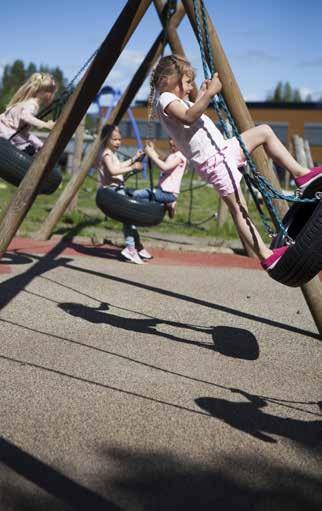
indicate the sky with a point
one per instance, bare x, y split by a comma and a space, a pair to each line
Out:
265, 42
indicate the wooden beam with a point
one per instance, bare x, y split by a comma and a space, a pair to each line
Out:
235, 100
312, 290
173, 38
123, 104
71, 116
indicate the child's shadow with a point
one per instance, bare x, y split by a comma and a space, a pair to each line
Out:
249, 418
145, 326
229, 341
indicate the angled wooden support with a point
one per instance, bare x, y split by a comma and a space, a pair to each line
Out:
71, 116
173, 38
312, 291
122, 106
234, 98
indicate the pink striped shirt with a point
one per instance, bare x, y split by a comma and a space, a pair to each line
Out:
170, 180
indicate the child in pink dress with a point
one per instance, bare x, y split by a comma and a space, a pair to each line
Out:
172, 170
22, 110
218, 160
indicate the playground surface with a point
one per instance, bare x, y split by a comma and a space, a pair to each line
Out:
190, 382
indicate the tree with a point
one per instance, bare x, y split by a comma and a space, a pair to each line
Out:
297, 98
278, 93
287, 94
284, 93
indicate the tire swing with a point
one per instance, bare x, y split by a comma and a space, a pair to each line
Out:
303, 223
14, 165
127, 210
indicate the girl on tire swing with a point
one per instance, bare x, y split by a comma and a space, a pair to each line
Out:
111, 171
172, 170
218, 160
21, 112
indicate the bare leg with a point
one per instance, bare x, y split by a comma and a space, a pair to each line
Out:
264, 135
246, 229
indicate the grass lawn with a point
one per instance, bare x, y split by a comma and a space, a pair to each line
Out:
88, 220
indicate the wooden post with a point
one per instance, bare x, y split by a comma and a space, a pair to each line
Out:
77, 157
174, 39
234, 99
71, 116
299, 150
312, 290
309, 159
116, 115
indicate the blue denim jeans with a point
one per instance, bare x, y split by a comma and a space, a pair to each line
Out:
130, 232
157, 194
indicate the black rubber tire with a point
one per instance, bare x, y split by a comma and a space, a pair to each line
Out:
14, 165
303, 260
127, 210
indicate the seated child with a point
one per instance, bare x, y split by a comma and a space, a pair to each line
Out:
111, 171
172, 170
21, 112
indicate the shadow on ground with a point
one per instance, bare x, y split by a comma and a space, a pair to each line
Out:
249, 418
156, 481
229, 341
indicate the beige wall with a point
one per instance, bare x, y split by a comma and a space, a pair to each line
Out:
296, 118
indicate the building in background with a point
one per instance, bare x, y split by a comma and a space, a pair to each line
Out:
286, 119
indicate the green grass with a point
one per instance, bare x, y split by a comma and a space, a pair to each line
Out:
88, 220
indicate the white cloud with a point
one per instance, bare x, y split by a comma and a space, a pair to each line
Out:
124, 69
253, 96
315, 94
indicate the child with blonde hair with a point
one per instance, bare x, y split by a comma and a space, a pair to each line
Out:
218, 160
111, 172
20, 114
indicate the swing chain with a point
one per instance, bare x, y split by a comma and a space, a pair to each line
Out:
257, 180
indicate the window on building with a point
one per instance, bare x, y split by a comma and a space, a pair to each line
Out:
280, 129
313, 133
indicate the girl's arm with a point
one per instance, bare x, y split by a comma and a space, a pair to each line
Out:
189, 115
163, 165
115, 169
30, 119
138, 155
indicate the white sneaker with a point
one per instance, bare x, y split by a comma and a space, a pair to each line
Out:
130, 254
145, 254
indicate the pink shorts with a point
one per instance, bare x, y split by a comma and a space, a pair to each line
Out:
222, 169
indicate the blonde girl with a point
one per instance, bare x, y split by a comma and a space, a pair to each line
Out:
38, 91
217, 160
111, 172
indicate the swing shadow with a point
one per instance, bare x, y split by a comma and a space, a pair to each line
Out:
281, 402
231, 342
249, 418
13, 257
235, 342
251, 421
100, 315
197, 301
11, 287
